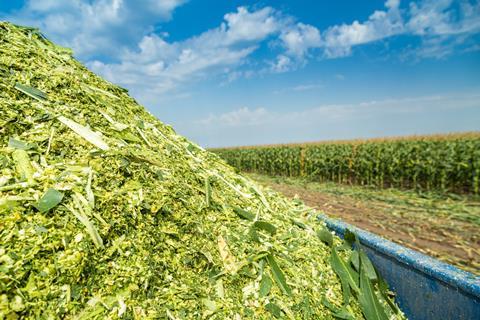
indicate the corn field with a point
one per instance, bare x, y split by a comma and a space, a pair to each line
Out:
449, 163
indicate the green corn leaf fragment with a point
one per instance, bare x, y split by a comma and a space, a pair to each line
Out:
349, 239
343, 313
339, 313
208, 192
344, 271
346, 292
86, 133
369, 303
367, 266
328, 304
116, 125
383, 288
325, 236
23, 165
144, 137
92, 231
265, 286
274, 309
299, 224
49, 200
89, 191
254, 235
278, 275
355, 260
32, 92
18, 144
266, 226
128, 136
244, 214
261, 195
7, 204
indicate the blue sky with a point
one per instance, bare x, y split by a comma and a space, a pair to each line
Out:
256, 72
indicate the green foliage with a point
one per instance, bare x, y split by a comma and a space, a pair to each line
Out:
49, 200
278, 275
451, 164
326, 236
265, 286
266, 226
364, 280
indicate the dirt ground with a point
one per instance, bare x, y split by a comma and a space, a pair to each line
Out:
421, 226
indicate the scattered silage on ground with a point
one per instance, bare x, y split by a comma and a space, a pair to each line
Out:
105, 212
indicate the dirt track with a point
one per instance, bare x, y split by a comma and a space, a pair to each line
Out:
450, 240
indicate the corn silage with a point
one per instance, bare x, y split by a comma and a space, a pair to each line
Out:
105, 212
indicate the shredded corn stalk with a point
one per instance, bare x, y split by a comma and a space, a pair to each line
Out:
100, 219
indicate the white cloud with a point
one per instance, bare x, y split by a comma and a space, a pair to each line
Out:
444, 26
117, 38
95, 27
244, 25
283, 63
158, 66
444, 23
390, 4
436, 17
162, 65
438, 47
430, 17
299, 38
339, 39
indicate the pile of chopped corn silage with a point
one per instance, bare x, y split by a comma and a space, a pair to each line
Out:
105, 212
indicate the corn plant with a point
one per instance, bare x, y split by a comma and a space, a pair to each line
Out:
449, 163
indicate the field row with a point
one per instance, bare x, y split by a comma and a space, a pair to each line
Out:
451, 164
444, 227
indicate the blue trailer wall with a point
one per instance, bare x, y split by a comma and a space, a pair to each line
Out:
425, 288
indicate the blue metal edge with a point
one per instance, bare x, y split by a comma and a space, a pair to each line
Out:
448, 274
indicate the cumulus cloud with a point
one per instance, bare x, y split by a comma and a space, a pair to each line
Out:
117, 38
339, 39
438, 18
160, 65
444, 26
218, 50
283, 63
244, 25
95, 27
299, 38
